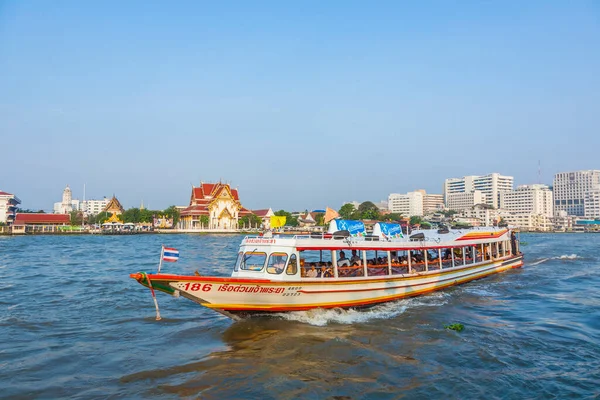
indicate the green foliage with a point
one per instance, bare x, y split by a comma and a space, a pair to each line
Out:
243, 222
131, 215
76, 217
392, 217
368, 210
416, 220
320, 219
455, 327
28, 211
289, 220
101, 218
347, 211
172, 212
204, 220
449, 213
425, 225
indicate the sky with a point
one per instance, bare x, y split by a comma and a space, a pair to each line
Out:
299, 105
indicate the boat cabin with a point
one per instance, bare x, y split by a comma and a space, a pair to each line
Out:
346, 251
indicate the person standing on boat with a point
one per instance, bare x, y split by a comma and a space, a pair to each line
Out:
355, 259
343, 261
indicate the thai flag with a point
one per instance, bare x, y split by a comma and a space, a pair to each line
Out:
170, 254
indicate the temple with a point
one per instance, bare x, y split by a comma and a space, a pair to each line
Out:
115, 208
213, 206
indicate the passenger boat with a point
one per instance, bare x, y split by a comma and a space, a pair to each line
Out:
345, 268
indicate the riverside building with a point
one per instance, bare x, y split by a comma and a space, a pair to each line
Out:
466, 200
572, 189
528, 199
8, 207
407, 205
491, 185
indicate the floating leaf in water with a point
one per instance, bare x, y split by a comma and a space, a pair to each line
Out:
455, 327
523, 243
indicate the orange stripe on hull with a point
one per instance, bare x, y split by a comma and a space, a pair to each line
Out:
279, 308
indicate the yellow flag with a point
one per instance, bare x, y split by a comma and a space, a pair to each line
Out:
277, 221
330, 214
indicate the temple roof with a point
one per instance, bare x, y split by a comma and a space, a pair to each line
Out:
262, 213
206, 193
114, 206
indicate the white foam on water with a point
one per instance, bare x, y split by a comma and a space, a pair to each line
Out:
567, 257
538, 262
322, 317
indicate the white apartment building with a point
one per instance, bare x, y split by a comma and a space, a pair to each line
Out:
592, 204
94, 207
462, 201
408, 204
528, 199
431, 202
8, 207
491, 185
570, 189
529, 222
482, 213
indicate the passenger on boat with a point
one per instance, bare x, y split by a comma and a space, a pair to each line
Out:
447, 254
327, 271
394, 257
355, 259
312, 272
343, 261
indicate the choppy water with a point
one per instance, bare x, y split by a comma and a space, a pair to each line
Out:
74, 325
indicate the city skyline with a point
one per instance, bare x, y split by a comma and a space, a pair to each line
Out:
297, 106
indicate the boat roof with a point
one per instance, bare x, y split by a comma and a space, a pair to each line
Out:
429, 238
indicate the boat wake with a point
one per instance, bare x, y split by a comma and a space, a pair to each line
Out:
563, 257
322, 317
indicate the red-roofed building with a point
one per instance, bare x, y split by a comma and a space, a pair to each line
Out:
42, 219
265, 216
8, 207
213, 206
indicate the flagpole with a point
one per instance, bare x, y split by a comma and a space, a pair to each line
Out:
162, 252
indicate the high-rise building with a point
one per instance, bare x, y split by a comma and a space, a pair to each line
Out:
463, 201
408, 204
570, 191
491, 185
592, 204
528, 199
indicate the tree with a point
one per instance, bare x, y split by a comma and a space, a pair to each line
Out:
204, 220
131, 215
76, 218
416, 220
28, 211
347, 210
289, 219
244, 221
320, 219
449, 213
392, 217
368, 210
172, 212
255, 221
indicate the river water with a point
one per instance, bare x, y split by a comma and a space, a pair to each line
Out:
74, 325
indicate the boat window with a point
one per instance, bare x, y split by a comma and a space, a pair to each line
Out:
446, 257
319, 259
399, 261
377, 262
276, 263
292, 268
240, 257
253, 261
